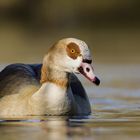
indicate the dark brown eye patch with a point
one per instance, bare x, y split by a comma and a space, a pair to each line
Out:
73, 50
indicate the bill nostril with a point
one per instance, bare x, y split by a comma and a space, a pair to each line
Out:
87, 69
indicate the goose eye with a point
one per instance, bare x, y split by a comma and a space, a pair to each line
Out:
72, 51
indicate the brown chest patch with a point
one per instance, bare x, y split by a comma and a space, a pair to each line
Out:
73, 50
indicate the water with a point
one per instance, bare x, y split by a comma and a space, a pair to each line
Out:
115, 111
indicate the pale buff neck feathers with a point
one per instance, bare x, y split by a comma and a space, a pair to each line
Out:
48, 74
52, 76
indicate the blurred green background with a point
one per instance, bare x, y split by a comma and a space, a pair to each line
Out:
110, 27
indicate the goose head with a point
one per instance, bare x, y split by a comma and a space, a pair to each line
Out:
71, 55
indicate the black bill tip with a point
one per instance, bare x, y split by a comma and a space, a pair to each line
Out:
96, 81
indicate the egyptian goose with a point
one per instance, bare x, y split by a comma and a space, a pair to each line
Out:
50, 88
